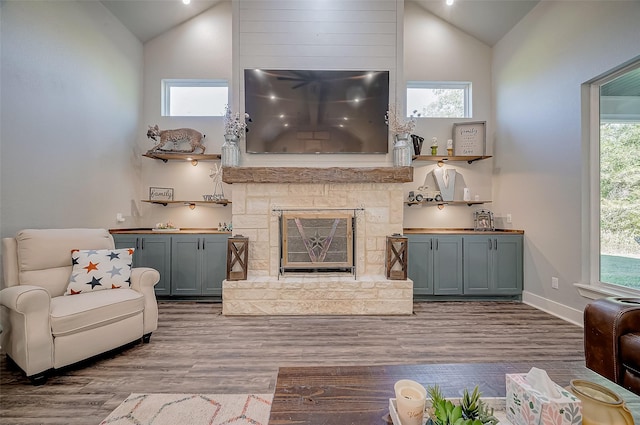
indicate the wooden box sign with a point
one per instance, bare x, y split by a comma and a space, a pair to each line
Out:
397, 257
469, 138
237, 257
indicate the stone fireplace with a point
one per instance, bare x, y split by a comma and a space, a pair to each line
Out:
298, 262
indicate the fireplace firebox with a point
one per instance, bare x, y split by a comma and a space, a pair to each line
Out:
317, 241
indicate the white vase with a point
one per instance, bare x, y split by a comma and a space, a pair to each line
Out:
402, 150
230, 151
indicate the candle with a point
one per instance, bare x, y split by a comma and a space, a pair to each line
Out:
409, 393
449, 144
410, 401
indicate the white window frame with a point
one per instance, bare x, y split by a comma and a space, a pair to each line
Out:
594, 288
169, 83
466, 86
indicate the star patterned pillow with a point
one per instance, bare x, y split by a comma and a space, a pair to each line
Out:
99, 269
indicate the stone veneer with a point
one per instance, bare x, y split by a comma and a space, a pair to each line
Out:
317, 295
369, 292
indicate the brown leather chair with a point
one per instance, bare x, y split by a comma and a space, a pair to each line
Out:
612, 340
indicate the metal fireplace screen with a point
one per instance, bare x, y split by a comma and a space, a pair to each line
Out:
317, 242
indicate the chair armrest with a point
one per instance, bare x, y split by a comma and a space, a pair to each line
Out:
27, 335
25, 299
143, 279
605, 321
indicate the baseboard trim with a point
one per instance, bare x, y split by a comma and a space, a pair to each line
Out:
568, 314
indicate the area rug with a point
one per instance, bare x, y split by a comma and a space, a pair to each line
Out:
192, 409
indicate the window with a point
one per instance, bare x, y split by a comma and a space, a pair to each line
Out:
194, 98
616, 186
439, 99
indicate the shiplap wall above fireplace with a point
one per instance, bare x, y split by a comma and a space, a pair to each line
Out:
332, 34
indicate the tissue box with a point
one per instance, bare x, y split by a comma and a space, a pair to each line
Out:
527, 406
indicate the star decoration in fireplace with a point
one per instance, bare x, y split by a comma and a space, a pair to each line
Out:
316, 241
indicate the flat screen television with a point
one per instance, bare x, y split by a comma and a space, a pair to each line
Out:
310, 112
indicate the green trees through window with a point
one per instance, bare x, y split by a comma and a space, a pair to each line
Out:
620, 203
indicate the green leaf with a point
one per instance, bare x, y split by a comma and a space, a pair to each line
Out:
456, 414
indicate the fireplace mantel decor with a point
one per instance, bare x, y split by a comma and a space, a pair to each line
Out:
305, 175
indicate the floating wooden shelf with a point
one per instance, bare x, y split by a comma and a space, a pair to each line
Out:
441, 204
443, 158
180, 156
222, 202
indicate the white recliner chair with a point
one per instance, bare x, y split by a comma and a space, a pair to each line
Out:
42, 328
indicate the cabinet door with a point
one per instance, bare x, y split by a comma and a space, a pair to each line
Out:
447, 265
123, 241
420, 267
186, 261
151, 251
478, 264
155, 251
214, 267
507, 265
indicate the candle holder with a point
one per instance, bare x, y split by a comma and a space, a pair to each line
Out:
450, 151
397, 257
410, 399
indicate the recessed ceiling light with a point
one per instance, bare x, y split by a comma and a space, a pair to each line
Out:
189, 1
449, 2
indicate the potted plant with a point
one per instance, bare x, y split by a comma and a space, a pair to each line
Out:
470, 411
402, 129
234, 127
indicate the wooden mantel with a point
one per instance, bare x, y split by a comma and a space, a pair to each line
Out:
317, 175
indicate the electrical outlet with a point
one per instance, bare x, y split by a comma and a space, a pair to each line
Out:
554, 283
509, 218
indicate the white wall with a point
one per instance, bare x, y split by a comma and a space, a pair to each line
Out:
198, 49
329, 35
437, 51
71, 89
538, 69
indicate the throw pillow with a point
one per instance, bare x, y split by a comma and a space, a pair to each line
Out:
99, 269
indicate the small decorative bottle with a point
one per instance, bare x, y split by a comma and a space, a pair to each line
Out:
450, 147
434, 146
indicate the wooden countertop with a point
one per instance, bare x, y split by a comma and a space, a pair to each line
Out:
147, 230
460, 231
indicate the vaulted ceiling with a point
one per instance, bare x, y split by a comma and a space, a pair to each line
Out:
486, 20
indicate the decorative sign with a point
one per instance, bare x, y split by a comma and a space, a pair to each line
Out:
161, 194
483, 220
469, 138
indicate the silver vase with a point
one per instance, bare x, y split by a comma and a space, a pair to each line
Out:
230, 151
402, 150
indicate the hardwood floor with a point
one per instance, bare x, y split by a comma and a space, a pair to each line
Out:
197, 350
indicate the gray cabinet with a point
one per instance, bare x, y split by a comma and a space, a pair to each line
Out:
198, 264
435, 264
189, 264
493, 264
150, 251
483, 264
